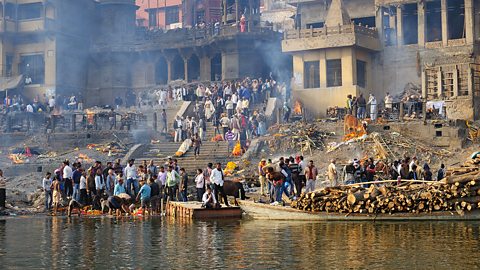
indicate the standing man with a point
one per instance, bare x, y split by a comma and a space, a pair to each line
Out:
388, 103
311, 175
46, 184
77, 174
217, 179
177, 125
303, 165
173, 178
130, 173
164, 121
332, 173
362, 106
196, 142
183, 184
261, 176
373, 107
67, 178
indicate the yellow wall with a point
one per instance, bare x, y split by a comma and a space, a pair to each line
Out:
317, 100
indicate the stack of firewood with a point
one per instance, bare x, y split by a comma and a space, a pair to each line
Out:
459, 191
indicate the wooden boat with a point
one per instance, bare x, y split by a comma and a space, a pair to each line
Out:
269, 212
194, 210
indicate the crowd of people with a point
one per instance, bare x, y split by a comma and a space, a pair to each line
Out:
120, 187
236, 109
291, 176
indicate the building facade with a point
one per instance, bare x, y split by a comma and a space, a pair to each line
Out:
46, 41
159, 14
95, 49
430, 43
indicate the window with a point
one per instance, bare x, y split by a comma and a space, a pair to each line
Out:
152, 18
30, 11
33, 67
311, 74
410, 24
456, 19
361, 73
365, 21
315, 25
8, 65
334, 73
10, 11
172, 15
433, 13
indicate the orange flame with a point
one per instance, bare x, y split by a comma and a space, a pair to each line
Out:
85, 158
90, 115
16, 158
297, 107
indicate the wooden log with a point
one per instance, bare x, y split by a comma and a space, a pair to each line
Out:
462, 178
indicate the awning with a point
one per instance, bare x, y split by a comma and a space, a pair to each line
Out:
8, 83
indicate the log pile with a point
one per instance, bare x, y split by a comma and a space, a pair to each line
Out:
459, 191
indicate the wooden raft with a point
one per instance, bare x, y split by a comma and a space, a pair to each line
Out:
194, 210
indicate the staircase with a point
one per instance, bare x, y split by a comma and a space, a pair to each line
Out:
209, 151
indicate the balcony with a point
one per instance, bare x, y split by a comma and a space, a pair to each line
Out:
331, 37
34, 25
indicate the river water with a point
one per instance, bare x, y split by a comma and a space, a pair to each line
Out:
106, 243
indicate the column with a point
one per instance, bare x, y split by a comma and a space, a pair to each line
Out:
185, 68
379, 24
424, 85
225, 8
323, 69
421, 23
469, 22
205, 68
399, 26
236, 11
439, 83
169, 70
455, 82
444, 23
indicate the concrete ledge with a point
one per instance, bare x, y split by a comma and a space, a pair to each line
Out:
134, 152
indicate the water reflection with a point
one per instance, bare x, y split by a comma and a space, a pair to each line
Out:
184, 244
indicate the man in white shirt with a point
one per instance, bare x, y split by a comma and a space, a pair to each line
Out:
67, 178
229, 107
217, 179
130, 173
208, 199
51, 103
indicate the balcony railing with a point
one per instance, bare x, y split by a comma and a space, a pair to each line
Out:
335, 30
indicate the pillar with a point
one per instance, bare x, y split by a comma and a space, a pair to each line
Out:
439, 83
205, 68
399, 26
379, 24
225, 8
424, 85
444, 22
185, 68
236, 11
455, 82
469, 22
421, 23
323, 69
169, 70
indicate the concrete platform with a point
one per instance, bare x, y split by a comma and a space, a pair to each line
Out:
194, 210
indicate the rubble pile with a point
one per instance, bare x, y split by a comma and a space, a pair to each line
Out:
459, 191
410, 92
297, 136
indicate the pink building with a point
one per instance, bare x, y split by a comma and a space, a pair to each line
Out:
164, 14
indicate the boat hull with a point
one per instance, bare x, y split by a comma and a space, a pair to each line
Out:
268, 212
